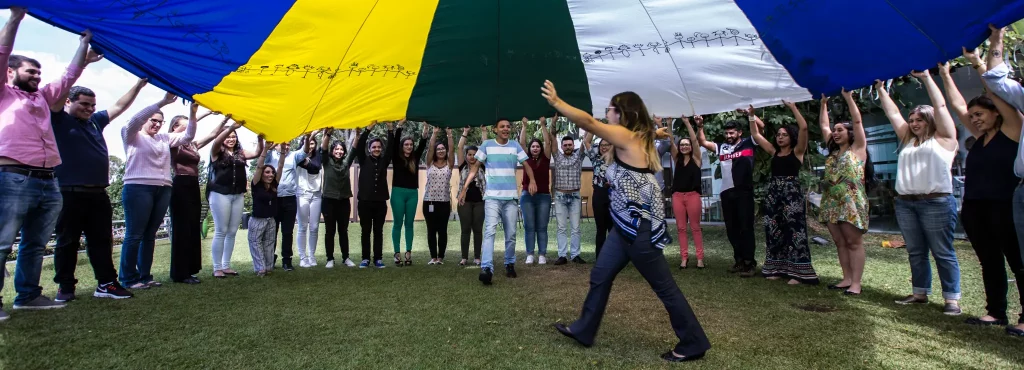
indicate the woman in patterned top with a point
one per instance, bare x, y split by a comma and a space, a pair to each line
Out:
844, 203
437, 197
640, 227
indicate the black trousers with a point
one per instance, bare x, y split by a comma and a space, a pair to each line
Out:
602, 216
738, 211
371, 221
286, 210
989, 226
186, 236
471, 218
650, 262
336, 214
89, 213
437, 226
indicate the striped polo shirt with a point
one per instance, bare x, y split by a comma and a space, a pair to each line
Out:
501, 161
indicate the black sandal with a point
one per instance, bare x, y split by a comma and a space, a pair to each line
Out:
408, 258
398, 259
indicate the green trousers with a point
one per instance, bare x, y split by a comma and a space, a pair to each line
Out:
403, 211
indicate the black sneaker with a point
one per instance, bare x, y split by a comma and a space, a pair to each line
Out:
65, 295
287, 265
486, 275
560, 261
112, 290
510, 270
579, 260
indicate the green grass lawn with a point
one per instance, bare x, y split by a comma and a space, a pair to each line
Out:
441, 317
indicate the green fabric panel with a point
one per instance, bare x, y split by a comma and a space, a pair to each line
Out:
486, 60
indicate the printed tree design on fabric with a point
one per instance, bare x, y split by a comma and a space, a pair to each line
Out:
720, 38
306, 71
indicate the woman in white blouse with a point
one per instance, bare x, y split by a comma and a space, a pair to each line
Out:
925, 208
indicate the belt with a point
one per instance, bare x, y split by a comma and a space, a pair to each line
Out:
83, 189
40, 173
922, 196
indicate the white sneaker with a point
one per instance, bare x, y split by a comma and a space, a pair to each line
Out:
303, 263
431, 262
330, 264
349, 263
312, 262
529, 259
541, 260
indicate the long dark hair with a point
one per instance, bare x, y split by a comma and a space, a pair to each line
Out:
530, 145
409, 162
174, 122
633, 116
465, 163
258, 178
869, 168
985, 102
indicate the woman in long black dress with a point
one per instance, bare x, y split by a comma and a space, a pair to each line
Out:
785, 210
639, 216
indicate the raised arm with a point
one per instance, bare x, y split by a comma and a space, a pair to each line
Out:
394, 147
281, 157
588, 142
7, 36
53, 91
826, 126
860, 139
259, 162
616, 135
997, 77
548, 133
422, 145
522, 133
130, 131
1012, 118
260, 145
689, 129
945, 129
701, 140
433, 142
177, 139
462, 145
361, 143
213, 133
126, 101
451, 158
755, 130
325, 141
801, 126
956, 100
892, 112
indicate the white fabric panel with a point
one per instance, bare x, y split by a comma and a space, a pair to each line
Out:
715, 61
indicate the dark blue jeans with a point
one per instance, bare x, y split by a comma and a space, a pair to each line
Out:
536, 214
144, 209
31, 206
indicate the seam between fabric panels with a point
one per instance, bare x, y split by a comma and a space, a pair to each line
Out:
347, 49
918, 28
693, 110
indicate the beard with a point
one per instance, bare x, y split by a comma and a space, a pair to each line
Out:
731, 140
25, 84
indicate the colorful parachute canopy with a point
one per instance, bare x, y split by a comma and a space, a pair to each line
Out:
288, 67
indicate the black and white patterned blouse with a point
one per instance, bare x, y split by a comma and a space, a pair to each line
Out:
600, 168
439, 182
636, 196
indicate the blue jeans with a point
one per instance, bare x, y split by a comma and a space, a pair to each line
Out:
927, 225
144, 209
507, 212
1018, 218
31, 206
536, 214
567, 211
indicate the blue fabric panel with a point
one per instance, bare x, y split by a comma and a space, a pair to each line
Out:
182, 46
830, 44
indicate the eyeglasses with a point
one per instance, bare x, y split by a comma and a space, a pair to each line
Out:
154, 120
609, 109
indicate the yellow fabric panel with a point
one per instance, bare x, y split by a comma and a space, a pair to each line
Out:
377, 44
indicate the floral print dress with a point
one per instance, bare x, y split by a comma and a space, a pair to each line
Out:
844, 198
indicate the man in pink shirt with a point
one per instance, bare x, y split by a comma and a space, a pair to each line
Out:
30, 198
